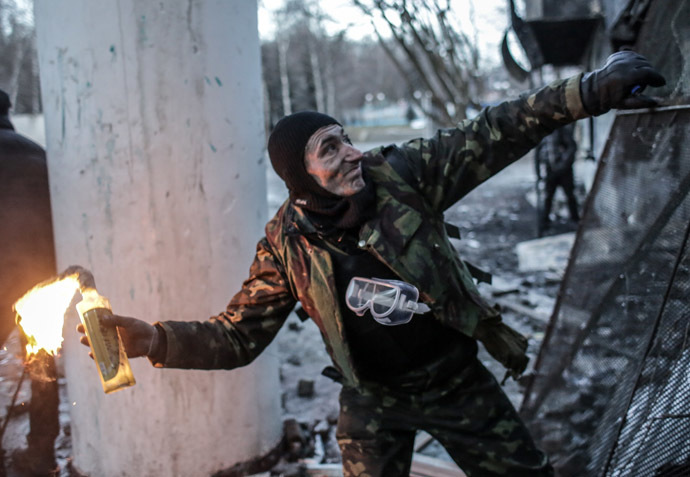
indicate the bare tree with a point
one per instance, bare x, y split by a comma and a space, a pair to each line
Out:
305, 57
309, 66
18, 61
315, 62
428, 48
284, 76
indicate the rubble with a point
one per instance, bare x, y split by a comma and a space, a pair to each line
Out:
546, 253
305, 388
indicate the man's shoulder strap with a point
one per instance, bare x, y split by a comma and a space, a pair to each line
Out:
398, 161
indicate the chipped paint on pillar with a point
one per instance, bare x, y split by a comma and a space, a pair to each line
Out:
142, 199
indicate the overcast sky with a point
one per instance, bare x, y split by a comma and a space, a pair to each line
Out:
491, 20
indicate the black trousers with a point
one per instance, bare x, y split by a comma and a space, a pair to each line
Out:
566, 181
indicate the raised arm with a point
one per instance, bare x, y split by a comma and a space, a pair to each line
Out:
455, 161
239, 334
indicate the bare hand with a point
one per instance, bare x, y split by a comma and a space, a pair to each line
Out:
138, 337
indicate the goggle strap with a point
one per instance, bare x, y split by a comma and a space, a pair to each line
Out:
418, 308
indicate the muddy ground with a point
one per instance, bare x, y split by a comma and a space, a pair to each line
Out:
492, 219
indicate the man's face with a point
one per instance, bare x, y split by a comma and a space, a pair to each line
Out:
333, 162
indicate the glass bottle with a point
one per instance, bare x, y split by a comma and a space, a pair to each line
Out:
106, 345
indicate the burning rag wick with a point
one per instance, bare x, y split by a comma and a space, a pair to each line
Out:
42, 313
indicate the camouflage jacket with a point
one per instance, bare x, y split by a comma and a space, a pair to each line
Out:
407, 233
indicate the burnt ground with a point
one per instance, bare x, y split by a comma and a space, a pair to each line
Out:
493, 219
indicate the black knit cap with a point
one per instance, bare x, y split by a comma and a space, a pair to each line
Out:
286, 146
5, 103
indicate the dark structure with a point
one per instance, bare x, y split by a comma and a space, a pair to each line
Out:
557, 34
611, 392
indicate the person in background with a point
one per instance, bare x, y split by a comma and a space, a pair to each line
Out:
556, 153
27, 258
361, 243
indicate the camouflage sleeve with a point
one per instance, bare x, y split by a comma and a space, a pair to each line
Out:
457, 160
239, 334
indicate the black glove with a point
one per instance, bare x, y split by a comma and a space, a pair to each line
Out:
619, 84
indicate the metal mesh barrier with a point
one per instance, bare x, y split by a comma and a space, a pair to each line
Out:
622, 294
653, 439
611, 390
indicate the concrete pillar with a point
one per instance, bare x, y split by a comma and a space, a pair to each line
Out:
155, 142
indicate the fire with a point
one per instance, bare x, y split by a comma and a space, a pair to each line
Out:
42, 313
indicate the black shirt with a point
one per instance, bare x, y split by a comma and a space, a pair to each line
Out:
381, 353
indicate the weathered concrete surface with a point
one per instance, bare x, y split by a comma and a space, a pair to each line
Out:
155, 142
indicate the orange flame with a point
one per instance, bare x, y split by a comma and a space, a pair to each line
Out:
42, 313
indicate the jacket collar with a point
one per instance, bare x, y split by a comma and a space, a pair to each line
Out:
5, 123
391, 228
297, 222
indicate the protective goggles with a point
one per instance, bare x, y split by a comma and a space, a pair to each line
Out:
391, 302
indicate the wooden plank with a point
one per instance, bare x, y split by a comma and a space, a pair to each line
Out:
324, 470
422, 466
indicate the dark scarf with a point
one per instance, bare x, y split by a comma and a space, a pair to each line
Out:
330, 212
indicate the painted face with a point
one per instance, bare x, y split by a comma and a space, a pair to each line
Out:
333, 162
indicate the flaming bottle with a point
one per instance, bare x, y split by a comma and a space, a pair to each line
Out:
106, 345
